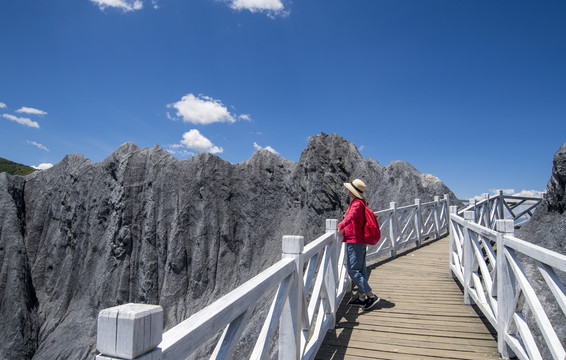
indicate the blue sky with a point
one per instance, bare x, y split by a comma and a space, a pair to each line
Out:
473, 92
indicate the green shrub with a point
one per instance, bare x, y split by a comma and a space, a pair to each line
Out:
13, 168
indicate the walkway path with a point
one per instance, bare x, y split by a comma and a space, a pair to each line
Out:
422, 315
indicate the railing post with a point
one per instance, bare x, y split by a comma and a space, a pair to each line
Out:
129, 331
393, 225
447, 212
505, 287
418, 222
453, 210
487, 211
501, 207
332, 277
437, 216
290, 323
473, 202
469, 216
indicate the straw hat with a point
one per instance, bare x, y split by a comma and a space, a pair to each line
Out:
357, 187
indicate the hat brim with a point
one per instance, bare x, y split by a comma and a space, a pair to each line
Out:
354, 191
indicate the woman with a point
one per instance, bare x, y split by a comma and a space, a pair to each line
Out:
352, 230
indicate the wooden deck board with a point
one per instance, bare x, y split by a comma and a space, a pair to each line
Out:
422, 315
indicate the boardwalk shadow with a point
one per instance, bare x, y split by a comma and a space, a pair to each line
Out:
346, 321
336, 342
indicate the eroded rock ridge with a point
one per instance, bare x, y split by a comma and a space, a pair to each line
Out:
142, 226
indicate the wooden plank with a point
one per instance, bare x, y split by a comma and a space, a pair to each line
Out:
402, 338
431, 325
422, 314
399, 353
443, 333
461, 321
426, 349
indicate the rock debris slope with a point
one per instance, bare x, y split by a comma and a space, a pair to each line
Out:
142, 226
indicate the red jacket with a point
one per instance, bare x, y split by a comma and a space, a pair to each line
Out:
354, 221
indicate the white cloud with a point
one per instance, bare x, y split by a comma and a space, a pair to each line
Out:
245, 117
22, 120
202, 110
531, 193
126, 5
31, 111
194, 140
181, 153
38, 145
505, 191
270, 7
2, 105
268, 148
42, 166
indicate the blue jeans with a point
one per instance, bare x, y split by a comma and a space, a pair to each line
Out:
356, 263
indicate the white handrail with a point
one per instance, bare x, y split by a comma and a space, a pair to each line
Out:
311, 282
498, 285
180, 340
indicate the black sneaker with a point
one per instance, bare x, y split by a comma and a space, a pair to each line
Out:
370, 302
357, 301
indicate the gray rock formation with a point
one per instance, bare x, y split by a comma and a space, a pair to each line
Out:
142, 226
547, 228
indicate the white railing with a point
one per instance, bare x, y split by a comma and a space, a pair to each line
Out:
409, 225
307, 284
497, 207
490, 265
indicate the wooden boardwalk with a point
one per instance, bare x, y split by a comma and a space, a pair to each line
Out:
421, 315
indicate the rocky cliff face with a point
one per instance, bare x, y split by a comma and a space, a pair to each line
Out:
142, 226
547, 228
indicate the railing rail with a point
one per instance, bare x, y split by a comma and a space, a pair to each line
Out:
490, 265
308, 284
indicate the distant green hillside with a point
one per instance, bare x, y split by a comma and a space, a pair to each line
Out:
13, 168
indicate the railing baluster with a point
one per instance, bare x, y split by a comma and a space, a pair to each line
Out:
272, 317
557, 288
230, 337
